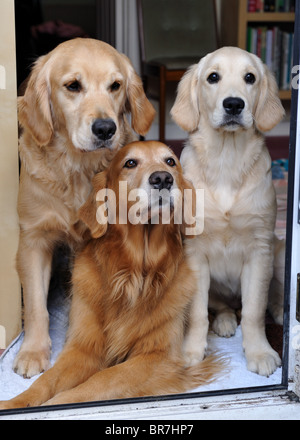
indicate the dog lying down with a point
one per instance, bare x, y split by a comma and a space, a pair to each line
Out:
132, 289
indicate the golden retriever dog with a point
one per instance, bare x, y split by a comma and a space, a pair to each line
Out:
131, 292
225, 102
73, 118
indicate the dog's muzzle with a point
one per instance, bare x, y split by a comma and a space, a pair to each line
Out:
161, 179
233, 108
104, 129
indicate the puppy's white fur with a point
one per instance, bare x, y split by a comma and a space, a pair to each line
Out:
226, 156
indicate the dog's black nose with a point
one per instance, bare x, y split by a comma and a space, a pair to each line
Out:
161, 179
233, 106
104, 129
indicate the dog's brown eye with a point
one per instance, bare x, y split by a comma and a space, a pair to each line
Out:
115, 86
250, 78
74, 86
213, 78
130, 163
171, 162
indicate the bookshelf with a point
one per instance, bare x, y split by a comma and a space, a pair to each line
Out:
237, 22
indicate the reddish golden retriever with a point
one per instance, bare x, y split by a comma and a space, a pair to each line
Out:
73, 118
132, 289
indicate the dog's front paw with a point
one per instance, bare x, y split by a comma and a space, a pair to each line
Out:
263, 362
28, 363
225, 325
193, 352
193, 357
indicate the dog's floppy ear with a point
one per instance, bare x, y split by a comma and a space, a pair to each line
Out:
185, 110
141, 109
269, 110
34, 107
88, 212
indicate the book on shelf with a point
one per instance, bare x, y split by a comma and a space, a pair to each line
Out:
271, 5
275, 48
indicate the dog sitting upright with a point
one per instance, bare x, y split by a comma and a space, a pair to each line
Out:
73, 118
225, 102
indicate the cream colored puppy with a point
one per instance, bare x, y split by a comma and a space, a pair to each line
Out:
225, 102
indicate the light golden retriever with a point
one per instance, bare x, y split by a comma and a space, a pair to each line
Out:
132, 289
73, 118
225, 102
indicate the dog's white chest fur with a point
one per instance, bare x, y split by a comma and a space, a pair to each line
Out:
225, 230
224, 198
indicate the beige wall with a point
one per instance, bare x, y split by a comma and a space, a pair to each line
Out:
10, 298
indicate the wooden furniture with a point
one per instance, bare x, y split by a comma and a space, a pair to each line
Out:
235, 20
174, 34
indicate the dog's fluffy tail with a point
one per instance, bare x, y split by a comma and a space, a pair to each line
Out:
176, 378
210, 369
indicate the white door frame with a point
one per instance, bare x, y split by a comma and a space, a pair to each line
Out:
10, 291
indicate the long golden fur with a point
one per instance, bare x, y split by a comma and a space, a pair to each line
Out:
132, 289
225, 102
73, 118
